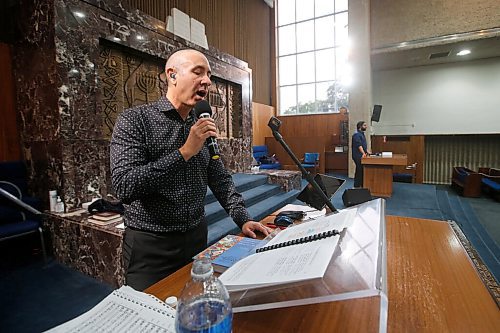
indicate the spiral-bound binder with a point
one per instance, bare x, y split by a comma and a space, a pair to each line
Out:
306, 239
124, 310
298, 253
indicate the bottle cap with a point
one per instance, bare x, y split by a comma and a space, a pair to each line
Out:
202, 268
171, 301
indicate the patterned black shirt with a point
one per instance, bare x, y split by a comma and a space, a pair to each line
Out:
160, 190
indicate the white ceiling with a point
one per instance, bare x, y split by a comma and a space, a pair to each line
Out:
394, 58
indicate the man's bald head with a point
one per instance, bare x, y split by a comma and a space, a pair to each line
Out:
188, 75
179, 60
179, 57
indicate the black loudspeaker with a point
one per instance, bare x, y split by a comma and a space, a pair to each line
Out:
356, 196
377, 110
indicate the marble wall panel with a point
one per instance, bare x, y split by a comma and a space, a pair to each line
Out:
85, 171
43, 159
91, 249
60, 95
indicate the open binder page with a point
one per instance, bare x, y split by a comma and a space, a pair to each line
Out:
284, 265
356, 268
283, 262
124, 310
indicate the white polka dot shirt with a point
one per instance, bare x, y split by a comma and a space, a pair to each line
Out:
162, 192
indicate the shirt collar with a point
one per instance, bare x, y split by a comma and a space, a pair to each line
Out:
164, 105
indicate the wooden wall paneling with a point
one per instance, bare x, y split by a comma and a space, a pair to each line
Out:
412, 146
273, 61
241, 28
336, 162
10, 148
299, 146
418, 146
314, 125
260, 117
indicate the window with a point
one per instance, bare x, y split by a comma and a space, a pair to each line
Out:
312, 56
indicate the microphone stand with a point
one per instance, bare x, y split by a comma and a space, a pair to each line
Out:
274, 124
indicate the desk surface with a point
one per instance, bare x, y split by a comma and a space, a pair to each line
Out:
395, 159
432, 287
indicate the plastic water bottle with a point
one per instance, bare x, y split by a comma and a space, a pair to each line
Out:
204, 305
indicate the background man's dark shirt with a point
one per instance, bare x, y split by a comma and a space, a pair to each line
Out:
160, 190
358, 139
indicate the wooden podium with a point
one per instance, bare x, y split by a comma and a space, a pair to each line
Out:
377, 173
432, 287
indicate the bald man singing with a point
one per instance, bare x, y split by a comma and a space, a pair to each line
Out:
161, 167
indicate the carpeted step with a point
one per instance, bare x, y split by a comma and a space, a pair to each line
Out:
491, 252
476, 234
444, 205
258, 211
243, 182
214, 211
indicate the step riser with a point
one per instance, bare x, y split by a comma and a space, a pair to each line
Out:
213, 216
221, 227
275, 207
241, 186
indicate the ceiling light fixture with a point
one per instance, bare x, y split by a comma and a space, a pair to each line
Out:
79, 14
463, 52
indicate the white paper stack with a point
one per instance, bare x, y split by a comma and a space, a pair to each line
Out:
170, 24
198, 33
181, 24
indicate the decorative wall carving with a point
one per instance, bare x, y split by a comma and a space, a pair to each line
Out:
95, 59
126, 80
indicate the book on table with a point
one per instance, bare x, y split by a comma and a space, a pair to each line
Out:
100, 222
296, 254
105, 216
228, 250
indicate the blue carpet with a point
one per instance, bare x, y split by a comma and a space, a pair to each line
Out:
37, 297
414, 200
487, 211
444, 204
461, 212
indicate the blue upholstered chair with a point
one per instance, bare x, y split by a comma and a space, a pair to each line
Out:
261, 155
18, 213
311, 161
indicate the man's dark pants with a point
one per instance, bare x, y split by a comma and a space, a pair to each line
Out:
149, 257
358, 175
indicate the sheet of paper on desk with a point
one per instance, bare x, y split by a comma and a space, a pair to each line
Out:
310, 212
292, 263
124, 310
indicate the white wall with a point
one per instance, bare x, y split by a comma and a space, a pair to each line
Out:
459, 98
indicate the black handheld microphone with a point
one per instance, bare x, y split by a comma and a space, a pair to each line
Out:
203, 110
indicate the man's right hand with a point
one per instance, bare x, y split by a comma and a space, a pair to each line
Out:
200, 131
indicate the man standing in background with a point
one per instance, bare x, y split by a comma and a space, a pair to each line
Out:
359, 150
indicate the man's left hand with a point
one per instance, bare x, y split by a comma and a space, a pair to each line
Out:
250, 227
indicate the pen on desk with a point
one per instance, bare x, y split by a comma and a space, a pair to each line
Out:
274, 226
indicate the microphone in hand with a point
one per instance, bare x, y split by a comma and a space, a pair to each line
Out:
203, 110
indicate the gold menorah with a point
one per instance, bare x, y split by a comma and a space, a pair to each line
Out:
146, 82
